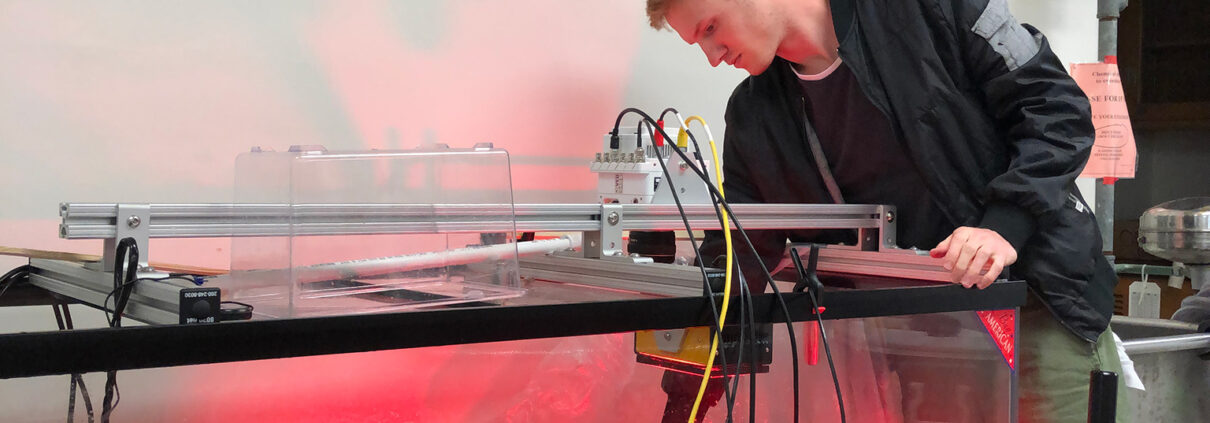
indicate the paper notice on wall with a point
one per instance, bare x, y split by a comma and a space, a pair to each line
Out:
1114, 154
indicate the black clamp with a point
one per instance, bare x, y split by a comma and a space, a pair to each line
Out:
808, 280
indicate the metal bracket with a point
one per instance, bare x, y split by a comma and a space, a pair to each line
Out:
881, 238
669, 340
608, 241
132, 221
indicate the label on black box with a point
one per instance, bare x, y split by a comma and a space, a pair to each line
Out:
199, 305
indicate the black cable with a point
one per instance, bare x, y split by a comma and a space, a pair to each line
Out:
697, 148
84, 394
78, 377
10, 278
754, 345
747, 331
823, 336
776, 291
130, 284
125, 275
697, 153
745, 295
731, 393
64, 321
717, 327
666, 111
111, 393
717, 196
71, 390
739, 227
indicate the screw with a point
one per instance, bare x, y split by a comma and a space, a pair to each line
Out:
667, 336
684, 166
614, 218
133, 221
890, 217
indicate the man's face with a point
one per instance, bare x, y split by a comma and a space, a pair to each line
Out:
736, 32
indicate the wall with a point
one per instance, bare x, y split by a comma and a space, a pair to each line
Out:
1172, 165
151, 101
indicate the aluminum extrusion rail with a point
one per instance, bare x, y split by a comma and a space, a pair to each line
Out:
100, 220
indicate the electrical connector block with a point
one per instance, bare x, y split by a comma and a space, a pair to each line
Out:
631, 174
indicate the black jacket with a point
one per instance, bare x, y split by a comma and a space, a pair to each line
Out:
997, 128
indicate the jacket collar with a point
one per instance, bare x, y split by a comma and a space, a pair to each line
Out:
842, 17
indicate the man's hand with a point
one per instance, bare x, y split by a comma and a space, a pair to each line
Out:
968, 251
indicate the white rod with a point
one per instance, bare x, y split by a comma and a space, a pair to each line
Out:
454, 257
404, 263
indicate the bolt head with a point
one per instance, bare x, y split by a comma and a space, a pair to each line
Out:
667, 336
890, 217
133, 221
613, 218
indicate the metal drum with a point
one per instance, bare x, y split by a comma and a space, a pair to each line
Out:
1179, 230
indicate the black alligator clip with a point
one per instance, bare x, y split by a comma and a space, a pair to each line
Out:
808, 281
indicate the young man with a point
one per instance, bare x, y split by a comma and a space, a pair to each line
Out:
948, 109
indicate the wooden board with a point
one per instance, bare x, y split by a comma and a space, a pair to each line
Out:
83, 258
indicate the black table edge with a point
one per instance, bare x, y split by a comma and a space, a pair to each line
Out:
91, 350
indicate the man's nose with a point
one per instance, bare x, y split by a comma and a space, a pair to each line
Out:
714, 54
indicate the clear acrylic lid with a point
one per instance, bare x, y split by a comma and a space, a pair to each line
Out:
371, 231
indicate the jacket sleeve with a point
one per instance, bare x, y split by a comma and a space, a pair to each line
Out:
1040, 111
740, 186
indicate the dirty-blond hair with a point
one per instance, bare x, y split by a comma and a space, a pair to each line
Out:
656, 12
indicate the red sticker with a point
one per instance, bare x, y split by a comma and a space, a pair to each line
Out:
1001, 325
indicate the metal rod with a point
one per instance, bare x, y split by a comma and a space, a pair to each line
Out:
1150, 323
1167, 344
1138, 269
1108, 12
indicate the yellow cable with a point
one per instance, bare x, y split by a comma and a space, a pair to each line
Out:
718, 171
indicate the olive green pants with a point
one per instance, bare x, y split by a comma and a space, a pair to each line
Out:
1054, 366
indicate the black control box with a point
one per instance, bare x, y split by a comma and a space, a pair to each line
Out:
199, 305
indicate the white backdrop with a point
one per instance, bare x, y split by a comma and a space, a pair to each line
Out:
144, 101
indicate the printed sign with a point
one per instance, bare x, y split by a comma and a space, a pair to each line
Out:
1113, 154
